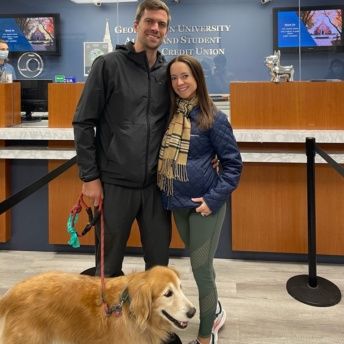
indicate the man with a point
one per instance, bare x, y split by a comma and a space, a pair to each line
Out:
126, 99
5, 68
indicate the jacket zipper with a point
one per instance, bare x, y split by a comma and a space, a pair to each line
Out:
148, 126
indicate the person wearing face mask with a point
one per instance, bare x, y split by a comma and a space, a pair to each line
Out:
194, 191
6, 69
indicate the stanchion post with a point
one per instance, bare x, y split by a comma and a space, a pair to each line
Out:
312, 290
312, 257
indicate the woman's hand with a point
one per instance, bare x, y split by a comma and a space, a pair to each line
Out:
216, 164
93, 190
203, 209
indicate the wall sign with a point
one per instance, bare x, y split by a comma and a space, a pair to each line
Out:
30, 65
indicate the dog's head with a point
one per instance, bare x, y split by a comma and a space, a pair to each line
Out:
157, 299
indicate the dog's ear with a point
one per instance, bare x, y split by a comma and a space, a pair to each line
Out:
141, 303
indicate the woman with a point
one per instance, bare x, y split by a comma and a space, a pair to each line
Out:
191, 187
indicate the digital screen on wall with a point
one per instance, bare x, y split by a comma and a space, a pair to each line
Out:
310, 28
31, 33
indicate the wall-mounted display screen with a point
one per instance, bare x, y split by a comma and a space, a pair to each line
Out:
310, 28
31, 32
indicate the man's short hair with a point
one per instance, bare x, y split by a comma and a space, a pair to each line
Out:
152, 5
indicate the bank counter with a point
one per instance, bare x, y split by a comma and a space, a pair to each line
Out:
269, 208
272, 121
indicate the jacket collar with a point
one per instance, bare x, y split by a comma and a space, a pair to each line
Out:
140, 58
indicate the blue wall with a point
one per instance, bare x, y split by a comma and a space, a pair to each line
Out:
245, 45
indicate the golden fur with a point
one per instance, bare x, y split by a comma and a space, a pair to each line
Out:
64, 308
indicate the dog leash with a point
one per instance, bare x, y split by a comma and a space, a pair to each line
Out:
116, 310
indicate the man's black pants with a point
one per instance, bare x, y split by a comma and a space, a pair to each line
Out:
121, 207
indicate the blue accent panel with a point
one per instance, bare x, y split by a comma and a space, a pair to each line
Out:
288, 31
9, 28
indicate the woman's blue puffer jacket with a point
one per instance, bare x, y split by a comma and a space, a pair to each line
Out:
203, 179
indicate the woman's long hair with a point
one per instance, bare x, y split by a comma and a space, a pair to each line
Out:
208, 109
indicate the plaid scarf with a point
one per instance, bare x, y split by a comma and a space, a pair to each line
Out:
175, 147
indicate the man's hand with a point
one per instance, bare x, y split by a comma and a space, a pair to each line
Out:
93, 190
203, 208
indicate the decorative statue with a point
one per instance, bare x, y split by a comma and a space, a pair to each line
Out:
279, 73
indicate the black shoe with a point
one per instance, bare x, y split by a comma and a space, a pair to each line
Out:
89, 272
92, 272
174, 339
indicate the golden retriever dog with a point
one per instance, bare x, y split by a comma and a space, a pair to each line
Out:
65, 308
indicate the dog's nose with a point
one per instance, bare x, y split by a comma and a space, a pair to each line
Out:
191, 312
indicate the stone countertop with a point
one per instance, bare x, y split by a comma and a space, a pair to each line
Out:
42, 132
23, 132
288, 136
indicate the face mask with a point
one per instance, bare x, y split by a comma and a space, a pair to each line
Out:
3, 54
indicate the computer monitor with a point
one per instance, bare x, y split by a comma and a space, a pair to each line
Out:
34, 97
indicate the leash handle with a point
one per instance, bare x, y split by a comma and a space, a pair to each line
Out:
73, 218
92, 219
82, 202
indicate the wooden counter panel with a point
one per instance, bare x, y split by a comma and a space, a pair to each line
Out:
62, 102
253, 106
6, 105
9, 116
10, 104
329, 188
287, 105
5, 218
274, 220
270, 209
16, 103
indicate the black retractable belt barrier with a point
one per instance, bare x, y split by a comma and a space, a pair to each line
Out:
311, 289
22, 194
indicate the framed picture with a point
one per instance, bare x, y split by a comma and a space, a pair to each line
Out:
91, 51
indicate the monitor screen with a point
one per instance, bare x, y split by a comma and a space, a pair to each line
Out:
31, 33
34, 96
310, 28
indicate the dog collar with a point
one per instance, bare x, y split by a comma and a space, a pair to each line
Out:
116, 310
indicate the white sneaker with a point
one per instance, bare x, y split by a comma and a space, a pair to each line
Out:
212, 340
220, 319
